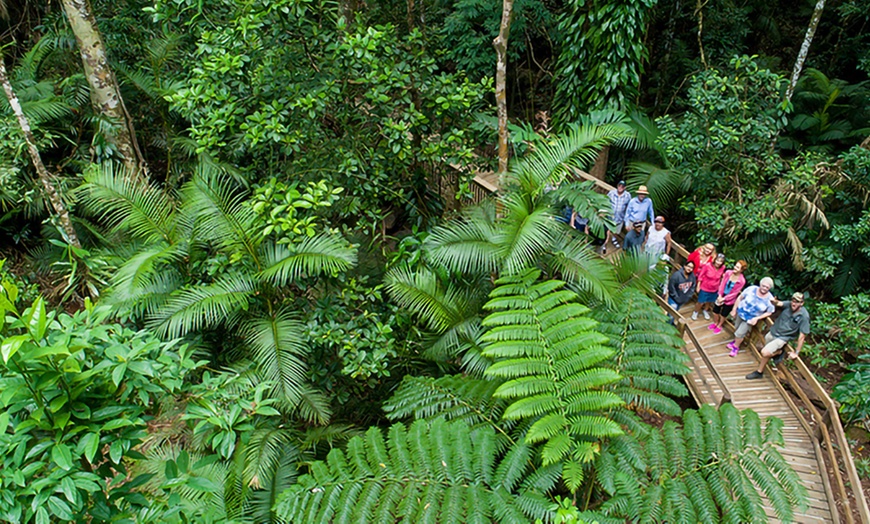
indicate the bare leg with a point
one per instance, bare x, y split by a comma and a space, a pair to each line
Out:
698, 307
738, 341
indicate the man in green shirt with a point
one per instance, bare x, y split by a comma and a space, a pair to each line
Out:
793, 322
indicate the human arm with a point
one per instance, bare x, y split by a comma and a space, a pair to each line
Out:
651, 214
800, 344
672, 285
668, 244
736, 305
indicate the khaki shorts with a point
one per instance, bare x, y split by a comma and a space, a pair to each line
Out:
772, 345
741, 327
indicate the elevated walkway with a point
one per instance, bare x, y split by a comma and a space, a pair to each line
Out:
815, 443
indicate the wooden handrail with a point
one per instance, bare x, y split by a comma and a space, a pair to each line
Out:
683, 328
831, 417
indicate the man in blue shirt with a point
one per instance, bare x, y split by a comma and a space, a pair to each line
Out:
754, 304
639, 208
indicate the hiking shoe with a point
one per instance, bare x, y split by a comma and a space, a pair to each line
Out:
754, 375
695, 315
615, 242
706, 315
604, 249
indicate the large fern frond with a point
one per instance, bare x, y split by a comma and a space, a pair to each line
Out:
456, 397
432, 472
646, 352
715, 469
546, 349
421, 292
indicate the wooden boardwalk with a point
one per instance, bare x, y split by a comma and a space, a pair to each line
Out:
762, 396
815, 443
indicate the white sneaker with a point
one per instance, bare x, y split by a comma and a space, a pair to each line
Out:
706, 315
695, 315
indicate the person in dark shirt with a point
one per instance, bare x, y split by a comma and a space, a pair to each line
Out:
681, 286
634, 238
793, 322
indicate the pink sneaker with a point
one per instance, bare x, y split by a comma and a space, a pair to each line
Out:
712, 327
717, 329
734, 349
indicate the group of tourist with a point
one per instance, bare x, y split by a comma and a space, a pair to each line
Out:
721, 292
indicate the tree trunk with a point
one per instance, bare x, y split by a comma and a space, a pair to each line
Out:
599, 168
805, 49
105, 94
501, 45
47, 184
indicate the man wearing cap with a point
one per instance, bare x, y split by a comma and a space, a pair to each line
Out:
634, 238
794, 321
753, 305
619, 199
640, 208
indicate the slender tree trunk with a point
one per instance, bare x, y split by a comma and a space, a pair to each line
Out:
44, 177
699, 10
805, 48
105, 94
501, 45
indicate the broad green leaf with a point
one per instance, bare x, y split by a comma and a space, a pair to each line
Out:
202, 484
62, 456
35, 319
11, 345
4, 422
116, 423
116, 451
11, 291
88, 445
118, 373
60, 509
42, 516
170, 470
68, 486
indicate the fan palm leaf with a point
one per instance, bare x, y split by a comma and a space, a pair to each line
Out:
524, 235
439, 306
322, 254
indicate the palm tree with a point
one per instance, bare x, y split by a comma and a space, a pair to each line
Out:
167, 281
517, 232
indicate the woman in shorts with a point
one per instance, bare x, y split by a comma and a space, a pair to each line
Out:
709, 279
732, 284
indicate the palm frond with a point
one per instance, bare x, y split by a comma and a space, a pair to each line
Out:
468, 245
221, 214
278, 348
323, 254
439, 305
583, 269
129, 204
665, 185
196, 307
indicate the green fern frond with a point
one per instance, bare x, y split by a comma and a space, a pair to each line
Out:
455, 398
433, 471
421, 292
323, 254
716, 468
545, 349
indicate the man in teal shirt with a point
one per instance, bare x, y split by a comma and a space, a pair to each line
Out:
794, 321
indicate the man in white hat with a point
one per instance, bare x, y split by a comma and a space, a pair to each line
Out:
640, 208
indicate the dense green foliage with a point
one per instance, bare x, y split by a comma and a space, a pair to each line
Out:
301, 266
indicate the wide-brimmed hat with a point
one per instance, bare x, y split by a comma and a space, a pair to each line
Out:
797, 297
642, 191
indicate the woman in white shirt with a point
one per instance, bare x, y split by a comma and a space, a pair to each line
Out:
658, 239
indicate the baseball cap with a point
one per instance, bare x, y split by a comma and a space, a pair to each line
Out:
621, 183
638, 223
797, 297
660, 219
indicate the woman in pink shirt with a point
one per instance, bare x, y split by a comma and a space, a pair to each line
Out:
708, 285
732, 284
703, 256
